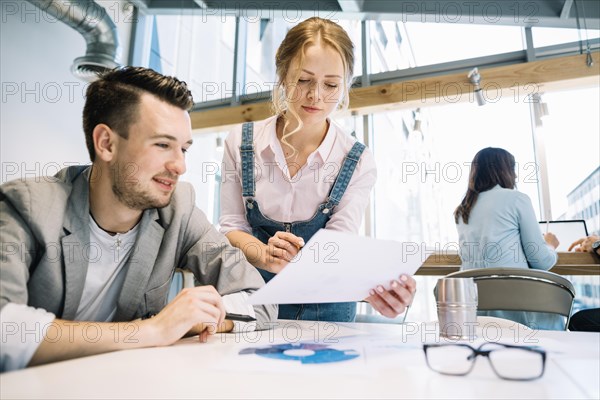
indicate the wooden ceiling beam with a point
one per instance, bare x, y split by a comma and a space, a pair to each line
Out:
517, 81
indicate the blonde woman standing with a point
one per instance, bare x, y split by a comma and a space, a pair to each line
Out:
292, 174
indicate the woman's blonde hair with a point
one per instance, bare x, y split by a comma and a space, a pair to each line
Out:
310, 32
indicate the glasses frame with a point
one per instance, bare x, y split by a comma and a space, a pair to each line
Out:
486, 353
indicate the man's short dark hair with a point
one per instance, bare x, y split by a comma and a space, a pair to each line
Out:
114, 99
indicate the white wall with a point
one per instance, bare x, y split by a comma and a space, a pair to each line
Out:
42, 102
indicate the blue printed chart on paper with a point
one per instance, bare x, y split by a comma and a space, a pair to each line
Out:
343, 349
302, 357
304, 353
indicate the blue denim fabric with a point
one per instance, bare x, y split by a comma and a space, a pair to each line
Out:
247, 155
263, 228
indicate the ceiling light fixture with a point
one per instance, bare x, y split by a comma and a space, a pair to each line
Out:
475, 79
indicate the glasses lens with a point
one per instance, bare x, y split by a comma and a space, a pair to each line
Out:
516, 363
451, 359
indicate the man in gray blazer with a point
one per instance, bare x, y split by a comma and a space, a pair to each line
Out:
88, 256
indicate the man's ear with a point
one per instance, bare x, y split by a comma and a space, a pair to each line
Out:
105, 142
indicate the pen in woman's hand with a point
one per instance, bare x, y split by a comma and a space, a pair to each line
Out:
239, 317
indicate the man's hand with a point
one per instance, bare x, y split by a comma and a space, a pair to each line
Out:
199, 310
393, 301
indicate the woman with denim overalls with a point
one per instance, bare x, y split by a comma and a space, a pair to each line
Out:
290, 175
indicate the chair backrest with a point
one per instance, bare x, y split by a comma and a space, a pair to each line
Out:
519, 289
182, 279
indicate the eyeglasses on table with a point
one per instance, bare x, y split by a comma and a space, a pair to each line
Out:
517, 363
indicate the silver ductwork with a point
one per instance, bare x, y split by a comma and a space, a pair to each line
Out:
98, 30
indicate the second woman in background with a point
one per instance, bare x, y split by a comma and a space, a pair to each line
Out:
497, 227
309, 175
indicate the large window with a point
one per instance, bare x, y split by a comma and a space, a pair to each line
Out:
570, 132
397, 45
423, 174
263, 39
552, 36
203, 162
180, 48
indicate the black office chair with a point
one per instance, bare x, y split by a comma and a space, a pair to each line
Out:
519, 289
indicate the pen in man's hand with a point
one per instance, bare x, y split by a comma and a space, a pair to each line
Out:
239, 317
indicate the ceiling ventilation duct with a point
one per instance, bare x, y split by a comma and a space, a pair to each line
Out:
98, 30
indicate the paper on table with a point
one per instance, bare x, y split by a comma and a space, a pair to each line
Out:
336, 267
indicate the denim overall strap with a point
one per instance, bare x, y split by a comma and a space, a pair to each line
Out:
247, 156
263, 228
346, 172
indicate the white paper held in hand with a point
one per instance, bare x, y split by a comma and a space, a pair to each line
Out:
336, 267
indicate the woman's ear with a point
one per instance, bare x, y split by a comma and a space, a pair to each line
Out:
104, 142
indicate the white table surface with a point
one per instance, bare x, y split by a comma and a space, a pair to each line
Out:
190, 369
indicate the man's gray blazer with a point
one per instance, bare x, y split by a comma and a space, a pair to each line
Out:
45, 239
